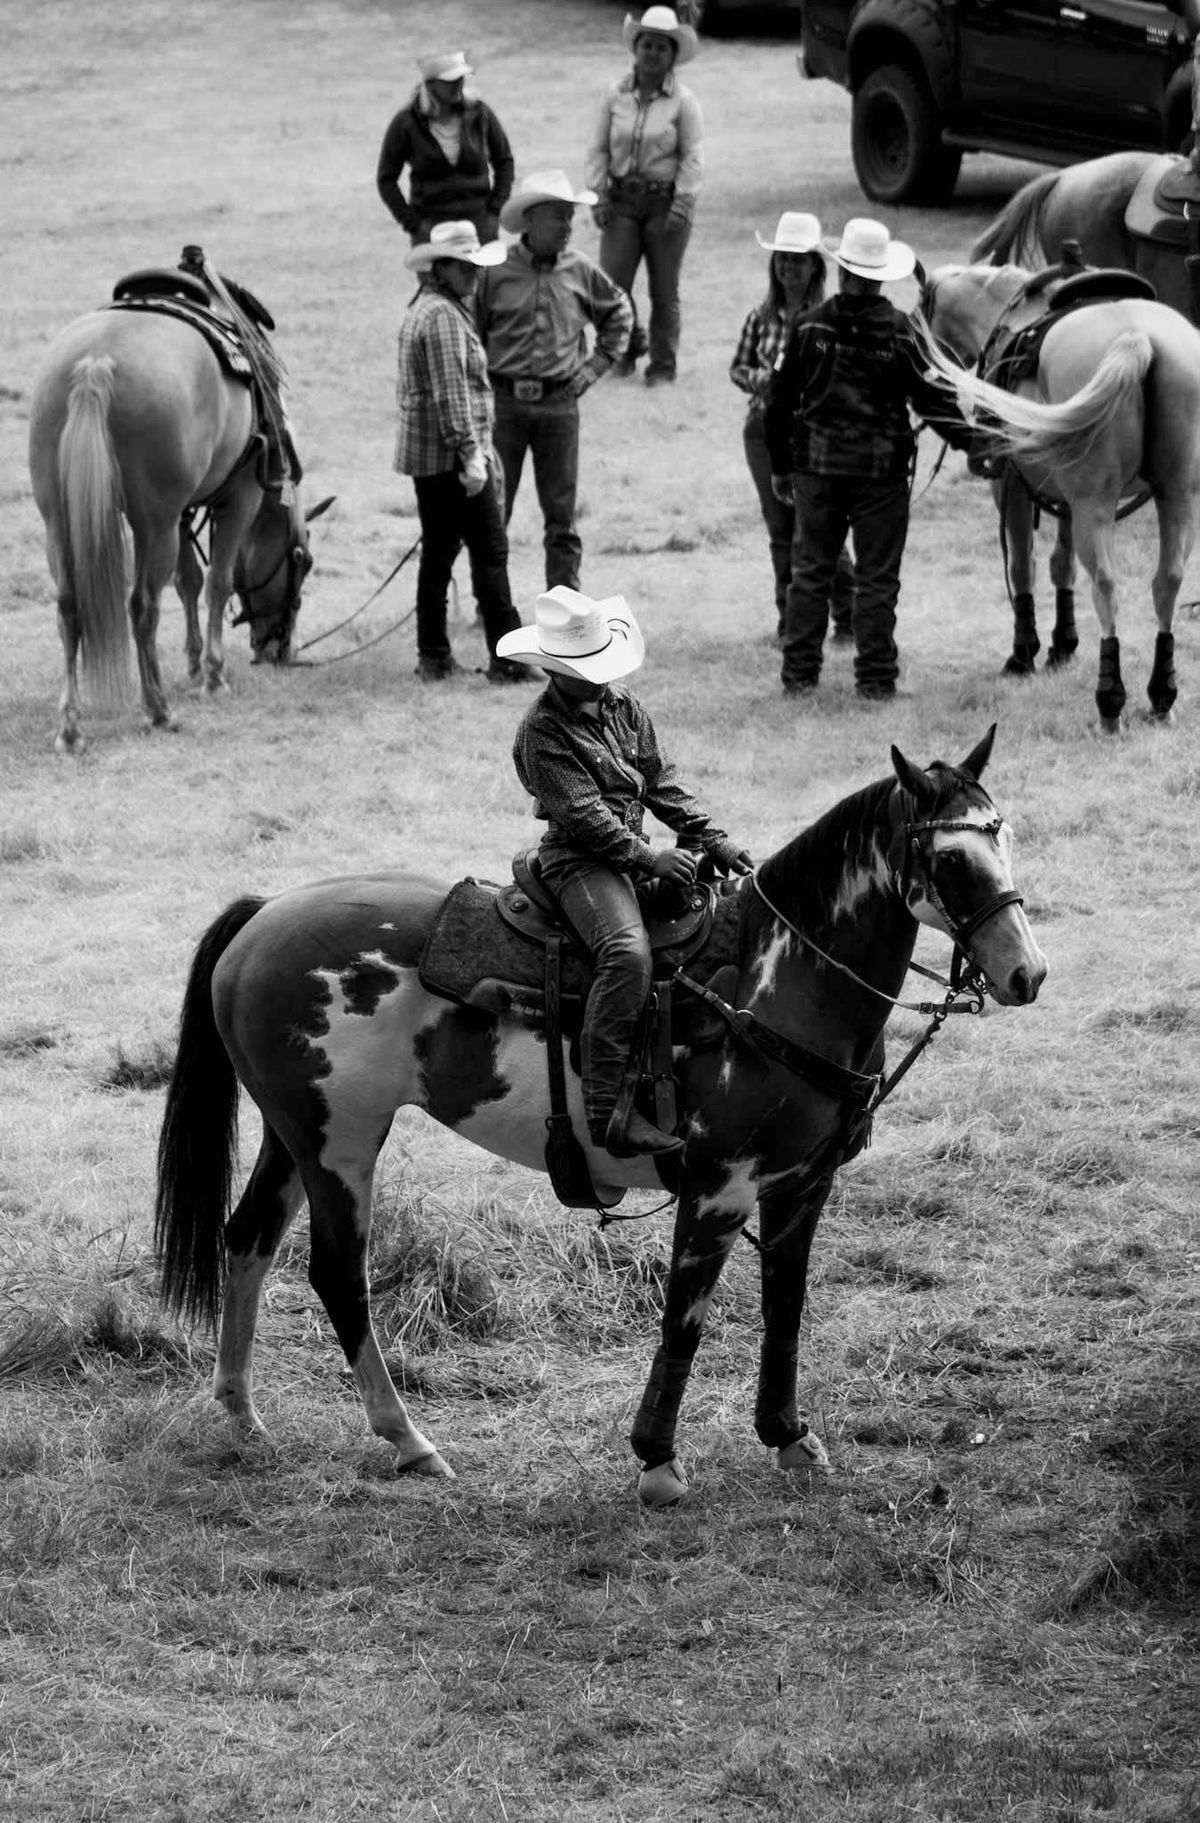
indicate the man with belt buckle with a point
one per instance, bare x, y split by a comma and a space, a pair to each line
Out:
533, 313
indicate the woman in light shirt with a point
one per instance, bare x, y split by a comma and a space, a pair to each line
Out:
646, 164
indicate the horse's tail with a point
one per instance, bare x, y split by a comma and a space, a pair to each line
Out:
198, 1141
93, 546
1060, 436
1016, 233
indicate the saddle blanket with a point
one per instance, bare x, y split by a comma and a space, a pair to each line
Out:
221, 338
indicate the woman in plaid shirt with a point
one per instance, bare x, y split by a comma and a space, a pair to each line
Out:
795, 283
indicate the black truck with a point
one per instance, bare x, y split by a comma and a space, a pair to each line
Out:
1055, 80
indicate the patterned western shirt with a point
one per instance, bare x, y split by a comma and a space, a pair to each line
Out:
532, 315
442, 386
839, 403
759, 347
661, 140
593, 780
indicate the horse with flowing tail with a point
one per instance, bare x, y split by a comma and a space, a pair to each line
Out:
136, 420
1127, 210
314, 1001
1108, 413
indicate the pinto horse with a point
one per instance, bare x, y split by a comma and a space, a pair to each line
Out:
1111, 413
1088, 203
312, 1002
135, 420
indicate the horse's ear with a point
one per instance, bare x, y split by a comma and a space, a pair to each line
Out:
979, 756
323, 506
918, 783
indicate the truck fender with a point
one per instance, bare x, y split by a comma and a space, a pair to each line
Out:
895, 26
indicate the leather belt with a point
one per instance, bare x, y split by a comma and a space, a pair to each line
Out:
529, 391
642, 186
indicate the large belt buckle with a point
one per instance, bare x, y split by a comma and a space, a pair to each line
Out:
528, 391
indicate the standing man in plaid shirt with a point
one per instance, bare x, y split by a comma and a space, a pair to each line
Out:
444, 441
842, 447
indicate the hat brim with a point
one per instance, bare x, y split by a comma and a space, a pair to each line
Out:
623, 654
816, 246
686, 41
421, 257
512, 216
901, 263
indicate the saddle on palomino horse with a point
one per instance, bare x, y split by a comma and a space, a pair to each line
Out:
232, 321
507, 950
1165, 208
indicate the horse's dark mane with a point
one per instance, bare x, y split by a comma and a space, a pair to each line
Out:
802, 877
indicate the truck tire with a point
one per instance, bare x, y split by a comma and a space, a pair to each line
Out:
896, 142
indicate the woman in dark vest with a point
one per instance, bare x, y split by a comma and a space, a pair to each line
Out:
456, 154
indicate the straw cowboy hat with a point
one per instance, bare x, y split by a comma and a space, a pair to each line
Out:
661, 19
454, 241
540, 187
443, 66
795, 233
867, 248
596, 641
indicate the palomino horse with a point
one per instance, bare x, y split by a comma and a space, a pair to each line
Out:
1112, 412
313, 1002
135, 419
1088, 203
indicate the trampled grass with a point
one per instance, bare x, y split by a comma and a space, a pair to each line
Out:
989, 1609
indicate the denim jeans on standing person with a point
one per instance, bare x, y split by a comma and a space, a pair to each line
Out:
450, 518
876, 511
549, 430
603, 911
779, 517
637, 228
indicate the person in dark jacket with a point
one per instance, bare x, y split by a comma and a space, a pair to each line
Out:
459, 162
588, 755
842, 449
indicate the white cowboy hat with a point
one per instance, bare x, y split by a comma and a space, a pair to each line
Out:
443, 66
540, 187
578, 637
661, 19
867, 248
455, 241
795, 233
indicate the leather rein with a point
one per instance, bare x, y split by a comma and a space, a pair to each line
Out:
861, 1094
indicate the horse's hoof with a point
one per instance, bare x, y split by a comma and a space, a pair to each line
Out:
1018, 667
664, 1486
433, 1465
807, 1455
1057, 657
1112, 724
69, 743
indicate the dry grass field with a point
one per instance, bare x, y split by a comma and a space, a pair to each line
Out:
988, 1611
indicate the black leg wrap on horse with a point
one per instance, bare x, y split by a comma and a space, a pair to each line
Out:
1110, 691
653, 1433
1066, 635
1161, 689
1026, 644
776, 1421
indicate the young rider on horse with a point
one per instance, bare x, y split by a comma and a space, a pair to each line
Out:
588, 755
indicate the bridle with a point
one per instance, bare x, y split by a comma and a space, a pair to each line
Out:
296, 560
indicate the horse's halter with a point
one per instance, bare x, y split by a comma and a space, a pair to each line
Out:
298, 561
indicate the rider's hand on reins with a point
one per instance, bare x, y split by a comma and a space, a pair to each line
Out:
675, 864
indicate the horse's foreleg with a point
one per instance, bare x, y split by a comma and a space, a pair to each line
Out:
257, 1226
1016, 520
189, 580
705, 1230
1062, 573
1094, 537
229, 529
157, 552
339, 1202
69, 738
786, 1233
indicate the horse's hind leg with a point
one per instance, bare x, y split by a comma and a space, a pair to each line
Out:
189, 580
1095, 523
1175, 539
1016, 517
267, 1207
157, 554
1065, 642
69, 738
340, 1216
